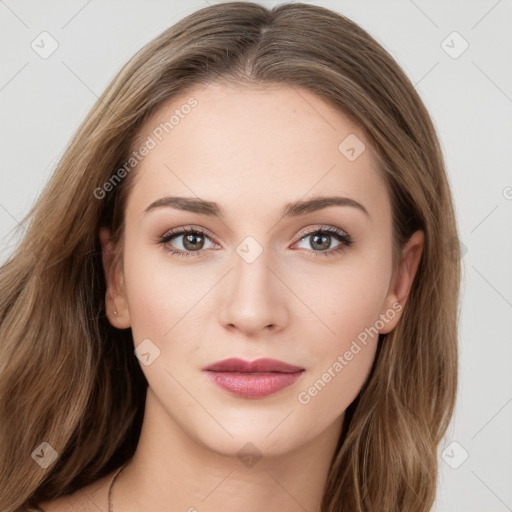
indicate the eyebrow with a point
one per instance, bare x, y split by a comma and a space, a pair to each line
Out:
294, 209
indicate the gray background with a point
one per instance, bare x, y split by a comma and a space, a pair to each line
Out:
43, 101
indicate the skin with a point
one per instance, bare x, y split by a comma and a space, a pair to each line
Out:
251, 150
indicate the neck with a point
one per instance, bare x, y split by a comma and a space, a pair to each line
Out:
169, 468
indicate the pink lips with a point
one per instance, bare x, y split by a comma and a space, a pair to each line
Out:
253, 379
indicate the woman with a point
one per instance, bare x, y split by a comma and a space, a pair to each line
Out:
234, 291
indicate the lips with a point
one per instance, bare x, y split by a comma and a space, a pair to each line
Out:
252, 379
257, 366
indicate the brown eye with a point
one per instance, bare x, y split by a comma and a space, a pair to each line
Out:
193, 242
186, 242
320, 241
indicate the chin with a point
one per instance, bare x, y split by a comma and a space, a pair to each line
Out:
261, 432
250, 448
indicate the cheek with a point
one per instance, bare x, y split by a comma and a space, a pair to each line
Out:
349, 308
334, 383
346, 298
159, 293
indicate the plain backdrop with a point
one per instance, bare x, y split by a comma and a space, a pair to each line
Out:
457, 53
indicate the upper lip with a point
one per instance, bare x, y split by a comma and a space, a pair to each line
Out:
264, 365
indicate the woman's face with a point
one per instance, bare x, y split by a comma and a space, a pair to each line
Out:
261, 277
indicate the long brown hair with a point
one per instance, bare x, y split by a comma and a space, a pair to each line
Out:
69, 379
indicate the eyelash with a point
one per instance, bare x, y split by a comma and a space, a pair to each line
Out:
344, 238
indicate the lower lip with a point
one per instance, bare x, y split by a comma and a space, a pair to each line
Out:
251, 385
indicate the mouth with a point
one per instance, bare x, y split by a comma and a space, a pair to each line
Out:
252, 379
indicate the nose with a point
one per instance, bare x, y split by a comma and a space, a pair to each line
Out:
253, 298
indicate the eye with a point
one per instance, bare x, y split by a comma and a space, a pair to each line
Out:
320, 240
188, 241
192, 241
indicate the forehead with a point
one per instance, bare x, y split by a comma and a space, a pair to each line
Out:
246, 145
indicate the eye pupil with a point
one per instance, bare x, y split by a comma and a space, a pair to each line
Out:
190, 241
324, 242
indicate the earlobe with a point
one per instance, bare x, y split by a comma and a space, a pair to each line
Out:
404, 277
115, 299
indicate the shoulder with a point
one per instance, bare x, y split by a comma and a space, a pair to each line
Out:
91, 498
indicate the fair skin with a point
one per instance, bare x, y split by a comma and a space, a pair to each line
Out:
251, 151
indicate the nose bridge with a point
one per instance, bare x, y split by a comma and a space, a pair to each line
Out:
253, 298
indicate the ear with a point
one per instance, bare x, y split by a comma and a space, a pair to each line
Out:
401, 282
116, 304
